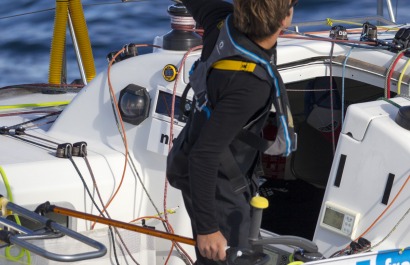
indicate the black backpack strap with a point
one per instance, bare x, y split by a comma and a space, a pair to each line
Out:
257, 142
254, 140
231, 169
183, 98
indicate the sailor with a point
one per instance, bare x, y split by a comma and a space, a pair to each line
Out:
235, 83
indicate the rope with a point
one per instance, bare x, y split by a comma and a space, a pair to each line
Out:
402, 75
331, 98
36, 119
340, 252
121, 129
343, 82
35, 105
391, 71
52, 9
8, 248
330, 22
171, 130
93, 201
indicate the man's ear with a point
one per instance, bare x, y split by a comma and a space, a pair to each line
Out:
283, 23
286, 21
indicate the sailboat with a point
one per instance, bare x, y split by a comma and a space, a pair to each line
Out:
83, 164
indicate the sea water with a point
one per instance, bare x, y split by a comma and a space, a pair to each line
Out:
26, 29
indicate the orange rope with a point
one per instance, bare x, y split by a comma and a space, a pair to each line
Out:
124, 136
122, 126
172, 135
380, 216
171, 229
171, 130
385, 210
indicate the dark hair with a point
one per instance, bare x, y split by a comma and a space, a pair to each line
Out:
259, 19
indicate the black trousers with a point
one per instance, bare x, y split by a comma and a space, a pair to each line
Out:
233, 213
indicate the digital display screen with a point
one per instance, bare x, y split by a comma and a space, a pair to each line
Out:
333, 218
164, 106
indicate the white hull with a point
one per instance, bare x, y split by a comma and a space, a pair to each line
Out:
372, 144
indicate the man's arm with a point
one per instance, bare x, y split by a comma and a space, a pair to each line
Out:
208, 13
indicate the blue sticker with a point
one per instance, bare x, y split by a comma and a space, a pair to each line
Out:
395, 257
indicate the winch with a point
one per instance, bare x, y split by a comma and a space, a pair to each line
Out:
338, 32
182, 37
401, 41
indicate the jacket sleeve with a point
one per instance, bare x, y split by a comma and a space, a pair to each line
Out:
208, 13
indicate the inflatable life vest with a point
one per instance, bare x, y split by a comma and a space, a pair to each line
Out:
226, 46
257, 64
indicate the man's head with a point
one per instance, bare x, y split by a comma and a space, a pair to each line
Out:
259, 19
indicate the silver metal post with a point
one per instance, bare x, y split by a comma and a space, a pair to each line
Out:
390, 9
77, 50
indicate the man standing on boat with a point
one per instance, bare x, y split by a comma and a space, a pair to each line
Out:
237, 70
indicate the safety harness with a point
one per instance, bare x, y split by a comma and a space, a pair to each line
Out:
226, 47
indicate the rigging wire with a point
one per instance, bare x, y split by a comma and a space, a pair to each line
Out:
118, 119
174, 98
22, 132
35, 119
84, 5
387, 95
102, 203
35, 105
38, 144
121, 129
392, 230
350, 43
25, 113
401, 76
115, 3
69, 156
386, 209
84, 155
32, 142
17, 220
330, 21
390, 71
28, 13
343, 83
331, 98
340, 252
170, 228
182, 65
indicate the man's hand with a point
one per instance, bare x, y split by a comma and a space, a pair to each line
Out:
212, 246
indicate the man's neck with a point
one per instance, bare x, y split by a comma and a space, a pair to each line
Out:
269, 42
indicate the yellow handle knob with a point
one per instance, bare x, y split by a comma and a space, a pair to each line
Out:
260, 202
